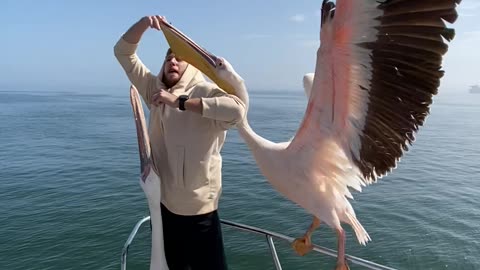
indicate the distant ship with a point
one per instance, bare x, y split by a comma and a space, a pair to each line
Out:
474, 89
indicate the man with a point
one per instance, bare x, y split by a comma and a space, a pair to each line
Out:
188, 122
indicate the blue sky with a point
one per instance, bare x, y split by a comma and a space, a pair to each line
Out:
68, 45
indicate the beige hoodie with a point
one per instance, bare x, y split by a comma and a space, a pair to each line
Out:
185, 145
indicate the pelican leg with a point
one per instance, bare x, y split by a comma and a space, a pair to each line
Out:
341, 261
304, 245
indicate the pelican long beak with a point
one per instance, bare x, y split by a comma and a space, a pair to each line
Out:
186, 49
142, 133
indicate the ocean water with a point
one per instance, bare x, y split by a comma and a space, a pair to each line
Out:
69, 193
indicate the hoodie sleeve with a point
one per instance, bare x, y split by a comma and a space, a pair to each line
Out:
138, 74
227, 110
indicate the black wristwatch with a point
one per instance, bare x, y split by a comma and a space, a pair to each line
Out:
181, 102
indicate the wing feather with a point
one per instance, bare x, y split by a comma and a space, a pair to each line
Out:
378, 67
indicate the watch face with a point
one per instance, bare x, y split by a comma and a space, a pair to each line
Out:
181, 103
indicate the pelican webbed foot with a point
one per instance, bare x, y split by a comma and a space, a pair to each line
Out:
304, 245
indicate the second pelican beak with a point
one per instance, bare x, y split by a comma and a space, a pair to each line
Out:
142, 133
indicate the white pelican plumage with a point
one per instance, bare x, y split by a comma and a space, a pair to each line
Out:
150, 183
377, 69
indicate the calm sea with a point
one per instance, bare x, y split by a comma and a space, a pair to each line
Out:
69, 193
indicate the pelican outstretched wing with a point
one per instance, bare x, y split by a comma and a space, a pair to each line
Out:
378, 67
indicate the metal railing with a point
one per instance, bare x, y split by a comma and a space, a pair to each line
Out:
269, 237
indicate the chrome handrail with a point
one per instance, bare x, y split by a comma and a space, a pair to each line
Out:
319, 249
129, 241
269, 236
271, 245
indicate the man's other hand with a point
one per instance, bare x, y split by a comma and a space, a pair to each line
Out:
164, 97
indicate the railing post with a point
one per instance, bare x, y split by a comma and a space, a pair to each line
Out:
123, 262
276, 261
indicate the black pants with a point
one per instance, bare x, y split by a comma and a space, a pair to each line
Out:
193, 242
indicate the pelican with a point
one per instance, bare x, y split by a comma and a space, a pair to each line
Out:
377, 70
150, 183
